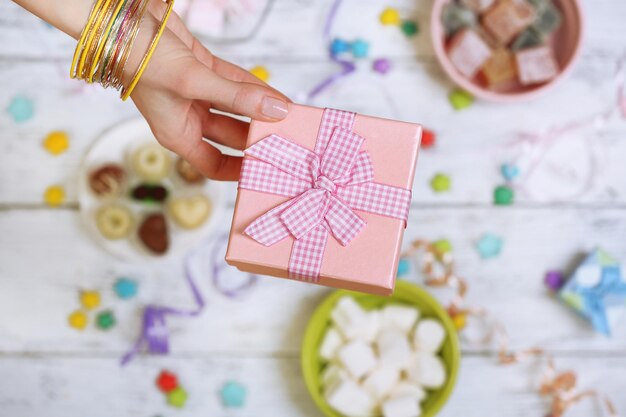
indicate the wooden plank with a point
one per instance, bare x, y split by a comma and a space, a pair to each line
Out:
471, 144
293, 29
46, 258
62, 386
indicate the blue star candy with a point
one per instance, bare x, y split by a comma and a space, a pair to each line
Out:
509, 172
339, 46
21, 109
360, 48
403, 267
125, 288
489, 246
233, 394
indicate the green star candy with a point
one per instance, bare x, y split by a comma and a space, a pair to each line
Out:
409, 28
105, 320
177, 397
440, 183
460, 99
503, 196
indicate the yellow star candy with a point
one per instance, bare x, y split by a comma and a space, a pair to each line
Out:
77, 320
90, 299
390, 16
261, 73
459, 320
54, 195
56, 142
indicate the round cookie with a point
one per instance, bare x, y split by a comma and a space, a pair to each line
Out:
107, 180
188, 172
190, 212
151, 162
114, 222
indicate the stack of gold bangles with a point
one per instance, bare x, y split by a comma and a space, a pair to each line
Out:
107, 40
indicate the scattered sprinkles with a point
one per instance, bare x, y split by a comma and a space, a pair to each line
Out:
339, 46
503, 195
509, 171
409, 28
54, 195
360, 48
554, 280
233, 394
429, 138
489, 246
177, 397
56, 142
440, 183
460, 99
167, 381
389, 17
78, 320
21, 109
125, 288
381, 65
261, 73
105, 320
89, 299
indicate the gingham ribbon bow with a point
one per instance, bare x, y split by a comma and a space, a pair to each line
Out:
326, 186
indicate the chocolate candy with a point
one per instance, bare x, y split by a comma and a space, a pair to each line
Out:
153, 233
468, 52
500, 68
148, 193
188, 172
107, 180
456, 17
536, 65
508, 18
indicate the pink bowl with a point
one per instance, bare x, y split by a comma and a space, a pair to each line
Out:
568, 38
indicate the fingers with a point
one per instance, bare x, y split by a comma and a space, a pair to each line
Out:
224, 130
253, 100
211, 162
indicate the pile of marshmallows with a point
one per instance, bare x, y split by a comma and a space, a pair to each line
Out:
502, 43
381, 361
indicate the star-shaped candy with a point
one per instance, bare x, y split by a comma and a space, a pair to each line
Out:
233, 394
21, 109
489, 246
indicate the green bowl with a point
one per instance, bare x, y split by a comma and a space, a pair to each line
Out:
405, 293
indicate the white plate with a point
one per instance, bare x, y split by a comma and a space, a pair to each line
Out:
115, 146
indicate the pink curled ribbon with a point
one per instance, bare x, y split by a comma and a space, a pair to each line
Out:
326, 186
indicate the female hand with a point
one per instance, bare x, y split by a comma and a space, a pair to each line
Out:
180, 86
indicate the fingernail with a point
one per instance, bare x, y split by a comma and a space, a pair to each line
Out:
274, 108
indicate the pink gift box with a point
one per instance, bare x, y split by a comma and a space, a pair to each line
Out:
368, 263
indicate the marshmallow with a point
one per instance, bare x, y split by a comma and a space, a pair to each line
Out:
429, 336
399, 316
408, 389
381, 381
374, 318
401, 407
427, 370
351, 320
332, 374
468, 52
330, 344
347, 397
393, 348
357, 357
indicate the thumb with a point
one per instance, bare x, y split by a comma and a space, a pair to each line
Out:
253, 100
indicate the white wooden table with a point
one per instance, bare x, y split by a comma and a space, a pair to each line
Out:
48, 369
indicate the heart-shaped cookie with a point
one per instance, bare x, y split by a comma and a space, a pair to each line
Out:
190, 212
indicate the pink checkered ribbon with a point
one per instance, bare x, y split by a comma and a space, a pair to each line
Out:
326, 186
